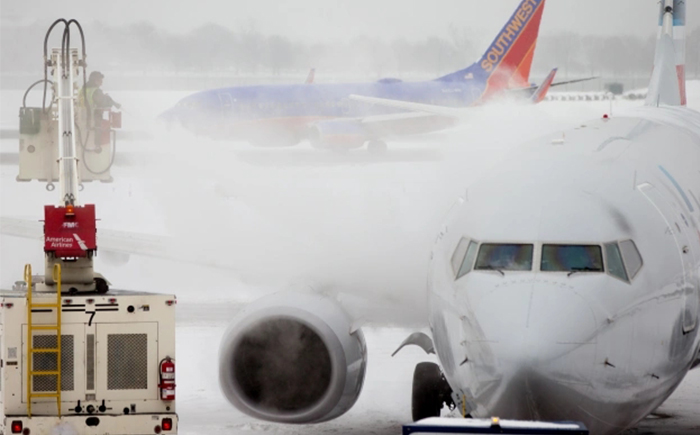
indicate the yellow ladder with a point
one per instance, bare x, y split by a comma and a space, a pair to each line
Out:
30, 342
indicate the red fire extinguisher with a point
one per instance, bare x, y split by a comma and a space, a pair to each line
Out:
167, 379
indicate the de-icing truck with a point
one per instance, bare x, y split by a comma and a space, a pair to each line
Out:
77, 357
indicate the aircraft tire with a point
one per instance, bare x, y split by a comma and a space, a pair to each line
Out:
377, 147
426, 400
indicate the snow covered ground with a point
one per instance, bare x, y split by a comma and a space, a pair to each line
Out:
273, 218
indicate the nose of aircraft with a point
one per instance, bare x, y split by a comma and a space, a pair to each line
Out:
537, 337
535, 319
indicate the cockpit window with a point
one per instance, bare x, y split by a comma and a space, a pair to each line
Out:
459, 254
614, 262
463, 257
572, 258
632, 257
466, 266
493, 256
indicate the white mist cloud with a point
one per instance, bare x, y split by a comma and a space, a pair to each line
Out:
353, 223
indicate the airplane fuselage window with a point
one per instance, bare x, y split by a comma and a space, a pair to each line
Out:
632, 257
497, 256
572, 258
613, 261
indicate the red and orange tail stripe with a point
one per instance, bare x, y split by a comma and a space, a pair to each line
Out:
509, 59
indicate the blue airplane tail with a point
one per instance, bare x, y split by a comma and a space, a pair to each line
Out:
507, 61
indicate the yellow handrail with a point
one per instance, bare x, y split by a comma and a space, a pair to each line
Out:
30, 343
28, 280
57, 280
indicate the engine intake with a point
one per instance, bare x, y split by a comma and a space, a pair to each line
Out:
293, 358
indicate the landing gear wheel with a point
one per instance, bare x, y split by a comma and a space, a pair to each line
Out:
377, 147
427, 396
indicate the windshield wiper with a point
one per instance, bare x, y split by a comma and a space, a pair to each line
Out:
582, 269
492, 268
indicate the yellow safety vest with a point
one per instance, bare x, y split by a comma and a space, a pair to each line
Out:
81, 97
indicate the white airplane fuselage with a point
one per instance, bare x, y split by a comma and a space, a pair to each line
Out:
585, 345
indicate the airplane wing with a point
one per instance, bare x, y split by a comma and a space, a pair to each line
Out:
110, 240
124, 243
377, 119
553, 85
24, 228
528, 91
571, 82
366, 307
450, 112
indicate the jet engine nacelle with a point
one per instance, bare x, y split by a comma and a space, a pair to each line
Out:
338, 134
293, 358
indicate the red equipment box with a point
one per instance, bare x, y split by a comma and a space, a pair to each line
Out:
70, 232
115, 119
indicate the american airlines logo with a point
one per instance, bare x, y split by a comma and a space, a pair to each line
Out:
66, 242
511, 32
80, 241
59, 242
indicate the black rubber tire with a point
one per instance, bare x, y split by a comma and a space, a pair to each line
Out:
426, 400
101, 286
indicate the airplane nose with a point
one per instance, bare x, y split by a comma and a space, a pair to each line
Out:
532, 341
535, 320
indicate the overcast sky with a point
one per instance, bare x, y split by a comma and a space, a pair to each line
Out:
335, 20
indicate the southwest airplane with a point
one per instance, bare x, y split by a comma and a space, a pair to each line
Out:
274, 115
564, 286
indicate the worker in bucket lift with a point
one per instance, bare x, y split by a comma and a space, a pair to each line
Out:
95, 124
96, 99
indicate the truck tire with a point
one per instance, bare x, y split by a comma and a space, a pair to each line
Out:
101, 286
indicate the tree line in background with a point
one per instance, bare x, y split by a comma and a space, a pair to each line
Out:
141, 47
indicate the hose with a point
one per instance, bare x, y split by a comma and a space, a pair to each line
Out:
65, 58
83, 63
83, 146
24, 99
46, 60
65, 50
65, 46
